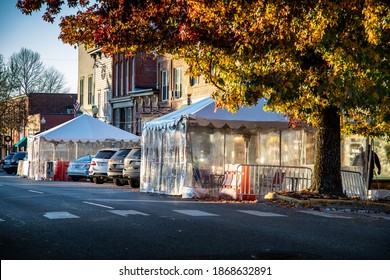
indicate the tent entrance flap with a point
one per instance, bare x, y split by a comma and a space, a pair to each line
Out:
22, 142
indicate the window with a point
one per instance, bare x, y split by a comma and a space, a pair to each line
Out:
81, 90
116, 79
194, 81
178, 77
120, 81
90, 84
127, 77
165, 85
116, 117
122, 119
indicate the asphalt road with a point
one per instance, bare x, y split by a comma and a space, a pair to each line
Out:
54, 220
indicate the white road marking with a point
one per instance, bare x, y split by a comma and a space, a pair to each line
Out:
60, 215
125, 213
100, 205
35, 191
195, 213
323, 214
261, 214
1, 220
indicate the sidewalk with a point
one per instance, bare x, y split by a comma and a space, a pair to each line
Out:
337, 204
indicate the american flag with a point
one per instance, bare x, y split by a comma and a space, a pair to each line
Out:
76, 107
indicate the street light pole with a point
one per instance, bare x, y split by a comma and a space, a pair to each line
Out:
43, 122
95, 111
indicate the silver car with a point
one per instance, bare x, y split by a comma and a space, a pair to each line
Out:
115, 166
78, 168
132, 167
99, 165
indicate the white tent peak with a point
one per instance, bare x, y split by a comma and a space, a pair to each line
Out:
87, 129
204, 113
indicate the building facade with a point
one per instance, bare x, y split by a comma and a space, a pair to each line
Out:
129, 90
134, 91
41, 111
95, 83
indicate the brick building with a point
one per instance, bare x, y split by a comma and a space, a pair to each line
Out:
52, 108
129, 90
134, 90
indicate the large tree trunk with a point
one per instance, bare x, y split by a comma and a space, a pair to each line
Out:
327, 168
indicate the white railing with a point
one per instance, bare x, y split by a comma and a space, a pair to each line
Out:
252, 181
353, 184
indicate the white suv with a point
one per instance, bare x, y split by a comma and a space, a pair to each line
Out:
99, 165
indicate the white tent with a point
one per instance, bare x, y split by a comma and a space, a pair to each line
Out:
205, 113
86, 129
200, 138
78, 137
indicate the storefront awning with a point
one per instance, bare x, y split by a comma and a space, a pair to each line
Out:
22, 142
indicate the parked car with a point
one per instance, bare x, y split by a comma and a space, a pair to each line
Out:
10, 166
6, 161
79, 168
132, 167
115, 166
99, 165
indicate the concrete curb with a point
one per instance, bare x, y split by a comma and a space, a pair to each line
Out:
351, 204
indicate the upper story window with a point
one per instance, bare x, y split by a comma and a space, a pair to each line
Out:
164, 85
127, 77
194, 81
81, 90
178, 79
116, 93
90, 89
121, 73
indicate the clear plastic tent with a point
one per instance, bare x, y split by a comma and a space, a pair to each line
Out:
81, 136
197, 144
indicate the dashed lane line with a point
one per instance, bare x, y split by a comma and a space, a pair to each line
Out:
35, 192
126, 213
100, 205
195, 213
60, 215
261, 214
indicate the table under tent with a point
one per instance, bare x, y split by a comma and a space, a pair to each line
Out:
198, 148
78, 137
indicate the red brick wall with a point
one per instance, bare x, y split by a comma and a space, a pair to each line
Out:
145, 72
50, 103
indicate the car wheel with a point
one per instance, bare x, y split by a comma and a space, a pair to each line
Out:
133, 183
118, 182
75, 179
98, 180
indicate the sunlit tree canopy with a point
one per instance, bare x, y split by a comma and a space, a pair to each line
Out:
323, 62
301, 55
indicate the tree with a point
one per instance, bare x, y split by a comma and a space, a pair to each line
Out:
52, 81
26, 69
5, 89
13, 110
23, 75
30, 75
323, 62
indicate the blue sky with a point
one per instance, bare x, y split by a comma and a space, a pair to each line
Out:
32, 32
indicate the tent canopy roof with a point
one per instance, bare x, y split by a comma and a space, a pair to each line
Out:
87, 129
204, 113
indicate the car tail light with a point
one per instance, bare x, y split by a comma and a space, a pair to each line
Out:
111, 160
93, 163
